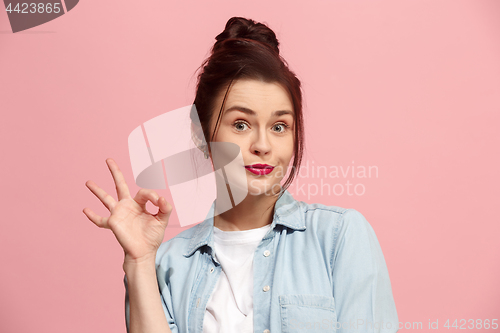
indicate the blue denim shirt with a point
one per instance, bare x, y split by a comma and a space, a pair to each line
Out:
325, 273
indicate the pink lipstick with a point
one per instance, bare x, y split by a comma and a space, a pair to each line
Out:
259, 169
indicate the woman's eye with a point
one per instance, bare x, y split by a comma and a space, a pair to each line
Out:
240, 125
281, 127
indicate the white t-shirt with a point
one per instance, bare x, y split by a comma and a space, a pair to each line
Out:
230, 307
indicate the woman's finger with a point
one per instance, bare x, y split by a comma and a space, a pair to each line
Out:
164, 211
121, 186
164, 208
108, 201
144, 195
99, 221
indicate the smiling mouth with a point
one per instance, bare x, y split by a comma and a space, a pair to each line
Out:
259, 169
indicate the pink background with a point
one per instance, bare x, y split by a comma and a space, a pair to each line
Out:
412, 87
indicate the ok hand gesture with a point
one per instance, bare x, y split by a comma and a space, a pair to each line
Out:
139, 232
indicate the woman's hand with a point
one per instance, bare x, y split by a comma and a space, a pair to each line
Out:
139, 233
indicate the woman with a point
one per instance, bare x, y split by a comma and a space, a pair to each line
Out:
271, 263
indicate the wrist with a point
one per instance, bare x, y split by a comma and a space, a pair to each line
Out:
130, 263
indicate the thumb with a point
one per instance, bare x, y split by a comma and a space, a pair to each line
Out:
164, 210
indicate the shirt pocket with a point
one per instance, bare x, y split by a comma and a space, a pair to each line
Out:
307, 313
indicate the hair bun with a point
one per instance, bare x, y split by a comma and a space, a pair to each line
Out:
239, 27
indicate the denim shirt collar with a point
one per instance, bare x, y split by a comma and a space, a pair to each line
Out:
286, 212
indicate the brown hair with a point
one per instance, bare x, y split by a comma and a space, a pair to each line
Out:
247, 50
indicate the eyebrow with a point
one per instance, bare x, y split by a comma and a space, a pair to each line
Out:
253, 113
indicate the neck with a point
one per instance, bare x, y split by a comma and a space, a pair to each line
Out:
255, 211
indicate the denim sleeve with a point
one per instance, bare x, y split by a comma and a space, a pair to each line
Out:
127, 305
361, 285
171, 324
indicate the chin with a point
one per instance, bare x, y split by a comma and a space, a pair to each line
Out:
262, 187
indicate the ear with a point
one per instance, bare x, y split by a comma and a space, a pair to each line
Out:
198, 137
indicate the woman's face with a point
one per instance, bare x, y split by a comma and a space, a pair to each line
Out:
258, 117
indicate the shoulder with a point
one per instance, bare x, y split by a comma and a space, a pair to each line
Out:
337, 231
334, 225
318, 215
344, 232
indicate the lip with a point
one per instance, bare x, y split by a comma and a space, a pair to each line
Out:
259, 169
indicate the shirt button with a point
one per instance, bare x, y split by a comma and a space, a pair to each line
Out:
267, 331
267, 253
211, 270
266, 288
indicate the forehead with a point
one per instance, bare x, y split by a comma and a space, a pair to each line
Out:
258, 96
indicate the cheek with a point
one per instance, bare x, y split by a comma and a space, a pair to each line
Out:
224, 134
228, 136
286, 156
289, 150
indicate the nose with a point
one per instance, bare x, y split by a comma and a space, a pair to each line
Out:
261, 144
